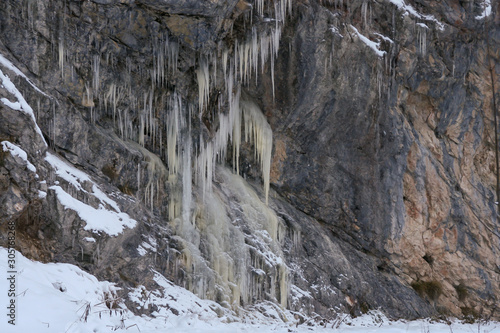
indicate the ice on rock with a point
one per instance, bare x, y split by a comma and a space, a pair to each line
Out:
422, 38
187, 177
203, 77
61, 54
157, 175
258, 132
96, 79
165, 56
160, 121
226, 253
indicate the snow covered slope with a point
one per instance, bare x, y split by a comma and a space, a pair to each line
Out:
63, 298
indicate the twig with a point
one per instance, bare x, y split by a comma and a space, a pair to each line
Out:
133, 325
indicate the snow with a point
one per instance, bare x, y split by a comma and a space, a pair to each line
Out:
67, 172
21, 104
486, 5
98, 220
373, 45
141, 251
9, 65
148, 247
104, 198
53, 298
385, 38
13, 105
101, 219
336, 31
59, 298
299, 293
408, 9
17, 151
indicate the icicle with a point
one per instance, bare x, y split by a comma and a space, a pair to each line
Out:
187, 176
284, 285
224, 63
61, 56
234, 109
95, 72
204, 167
364, 10
174, 205
172, 54
156, 174
141, 129
111, 97
379, 80
296, 239
258, 131
173, 118
260, 7
120, 122
151, 118
158, 70
422, 38
255, 52
203, 78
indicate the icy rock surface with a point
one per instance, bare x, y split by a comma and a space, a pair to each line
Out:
318, 157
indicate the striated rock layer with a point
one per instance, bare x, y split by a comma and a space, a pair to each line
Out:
325, 156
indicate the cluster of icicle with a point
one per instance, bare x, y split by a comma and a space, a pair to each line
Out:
247, 266
139, 117
157, 122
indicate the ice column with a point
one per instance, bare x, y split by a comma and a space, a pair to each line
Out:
258, 131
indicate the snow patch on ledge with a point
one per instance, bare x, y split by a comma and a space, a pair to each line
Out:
97, 220
385, 38
17, 151
20, 104
67, 172
373, 45
298, 293
408, 9
107, 218
486, 5
9, 65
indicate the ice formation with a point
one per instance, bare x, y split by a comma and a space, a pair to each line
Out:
246, 267
181, 162
258, 131
422, 38
203, 84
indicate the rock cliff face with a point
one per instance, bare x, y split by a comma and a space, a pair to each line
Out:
323, 156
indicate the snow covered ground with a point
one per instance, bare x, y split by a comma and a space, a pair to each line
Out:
63, 298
